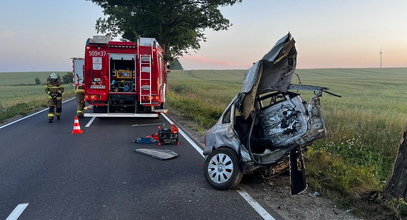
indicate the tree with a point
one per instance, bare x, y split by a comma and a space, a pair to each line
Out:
37, 81
67, 78
178, 25
397, 186
176, 65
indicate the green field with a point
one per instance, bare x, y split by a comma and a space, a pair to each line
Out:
19, 95
364, 126
21, 78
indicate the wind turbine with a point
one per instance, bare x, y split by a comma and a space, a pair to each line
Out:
381, 54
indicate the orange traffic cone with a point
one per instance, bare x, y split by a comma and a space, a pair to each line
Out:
76, 126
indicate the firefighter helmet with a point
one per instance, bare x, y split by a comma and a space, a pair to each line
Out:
53, 77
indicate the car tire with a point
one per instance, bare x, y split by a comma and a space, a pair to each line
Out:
222, 169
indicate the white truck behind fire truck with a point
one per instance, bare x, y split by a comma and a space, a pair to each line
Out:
122, 78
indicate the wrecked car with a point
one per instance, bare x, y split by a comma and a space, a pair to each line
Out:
266, 124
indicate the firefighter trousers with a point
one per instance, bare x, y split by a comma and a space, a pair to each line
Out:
80, 103
54, 104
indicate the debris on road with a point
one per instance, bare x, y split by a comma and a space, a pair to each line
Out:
314, 194
157, 153
347, 211
145, 140
153, 124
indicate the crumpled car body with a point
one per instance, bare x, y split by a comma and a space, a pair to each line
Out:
266, 124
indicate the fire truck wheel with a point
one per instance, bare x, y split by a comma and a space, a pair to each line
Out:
222, 169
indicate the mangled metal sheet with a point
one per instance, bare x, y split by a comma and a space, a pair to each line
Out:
272, 73
283, 123
275, 69
250, 78
161, 154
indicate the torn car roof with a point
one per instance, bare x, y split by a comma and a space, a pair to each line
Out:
275, 69
272, 73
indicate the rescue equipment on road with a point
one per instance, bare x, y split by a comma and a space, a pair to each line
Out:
164, 136
168, 135
76, 126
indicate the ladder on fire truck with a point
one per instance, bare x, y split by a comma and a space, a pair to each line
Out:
145, 79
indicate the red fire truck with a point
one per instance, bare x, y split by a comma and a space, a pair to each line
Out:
122, 78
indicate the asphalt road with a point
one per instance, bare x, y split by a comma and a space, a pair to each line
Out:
96, 175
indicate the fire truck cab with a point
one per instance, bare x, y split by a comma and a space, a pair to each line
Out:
123, 78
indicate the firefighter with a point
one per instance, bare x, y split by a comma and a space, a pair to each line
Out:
80, 100
54, 89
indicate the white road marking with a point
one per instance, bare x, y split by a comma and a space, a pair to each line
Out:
90, 122
17, 211
256, 206
252, 202
29, 116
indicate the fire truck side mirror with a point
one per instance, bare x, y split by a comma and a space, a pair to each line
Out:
168, 69
168, 66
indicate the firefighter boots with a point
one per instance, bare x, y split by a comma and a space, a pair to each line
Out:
50, 117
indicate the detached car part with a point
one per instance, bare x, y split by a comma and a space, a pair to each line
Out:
266, 124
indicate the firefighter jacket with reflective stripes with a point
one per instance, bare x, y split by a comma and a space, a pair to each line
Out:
54, 89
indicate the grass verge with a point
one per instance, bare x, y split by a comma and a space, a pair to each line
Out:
21, 106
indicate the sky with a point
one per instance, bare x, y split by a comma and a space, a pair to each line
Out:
42, 35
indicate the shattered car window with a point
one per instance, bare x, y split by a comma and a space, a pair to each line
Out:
226, 116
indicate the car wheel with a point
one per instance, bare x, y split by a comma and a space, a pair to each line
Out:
222, 169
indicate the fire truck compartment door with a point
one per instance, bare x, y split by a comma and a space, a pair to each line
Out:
116, 56
78, 70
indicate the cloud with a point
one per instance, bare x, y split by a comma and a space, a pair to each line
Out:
8, 35
203, 62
